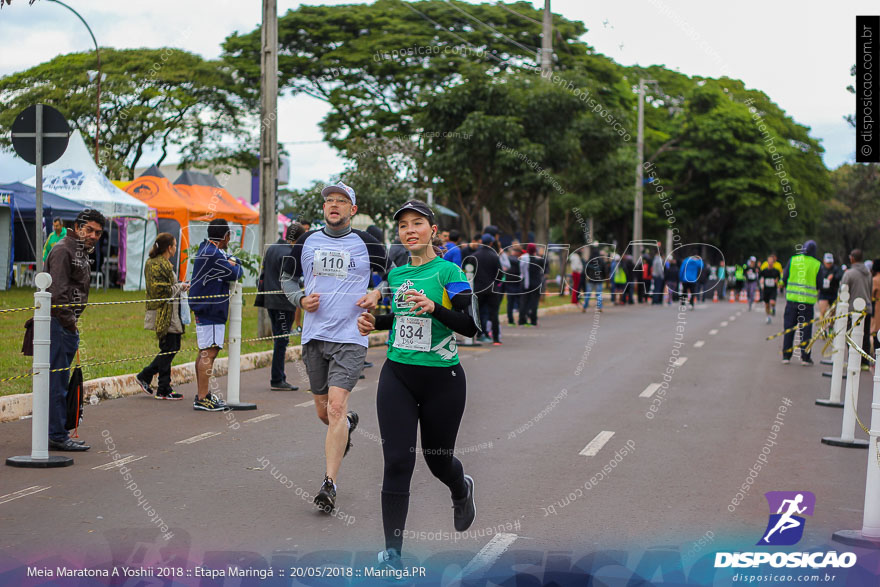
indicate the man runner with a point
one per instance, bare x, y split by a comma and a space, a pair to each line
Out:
770, 276
336, 263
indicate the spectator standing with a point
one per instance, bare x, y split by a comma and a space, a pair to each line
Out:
658, 273
68, 264
858, 279
162, 316
58, 233
282, 313
453, 252
213, 271
801, 283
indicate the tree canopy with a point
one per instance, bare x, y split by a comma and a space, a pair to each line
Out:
150, 98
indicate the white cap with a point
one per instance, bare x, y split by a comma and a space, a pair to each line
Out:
339, 188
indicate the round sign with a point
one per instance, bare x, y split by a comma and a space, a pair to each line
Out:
25, 124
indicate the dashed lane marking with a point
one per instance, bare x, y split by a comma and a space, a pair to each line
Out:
650, 390
197, 438
261, 418
304, 404
118, 463
23, 493
487, 555
597, 443
713, 332
680, 361
699, 344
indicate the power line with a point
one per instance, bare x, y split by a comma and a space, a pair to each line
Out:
463, 40
493, 29
510, 10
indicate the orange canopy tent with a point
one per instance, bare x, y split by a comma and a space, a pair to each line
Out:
204, 188
178, 207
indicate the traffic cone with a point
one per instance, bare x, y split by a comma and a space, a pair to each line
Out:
732, 297
715, 297
743, 298
757, 295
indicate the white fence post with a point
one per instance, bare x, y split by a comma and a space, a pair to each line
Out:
839, 348
869, 537
851, 394
233, 379
39, 457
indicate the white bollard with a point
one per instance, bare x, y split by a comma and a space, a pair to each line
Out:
851, 393
869, 537
839, 347
233, 378
39, 457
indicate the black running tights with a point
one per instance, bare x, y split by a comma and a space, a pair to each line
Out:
433, 399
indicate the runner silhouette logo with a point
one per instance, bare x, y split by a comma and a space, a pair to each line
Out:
786, 524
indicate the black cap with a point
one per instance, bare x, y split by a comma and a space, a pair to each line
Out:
418, 207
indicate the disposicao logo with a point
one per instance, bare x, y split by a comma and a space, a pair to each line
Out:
785, 528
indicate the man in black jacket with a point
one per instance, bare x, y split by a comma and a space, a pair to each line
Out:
281, 312
488, 268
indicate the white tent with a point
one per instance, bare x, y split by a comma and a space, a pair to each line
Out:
76, 176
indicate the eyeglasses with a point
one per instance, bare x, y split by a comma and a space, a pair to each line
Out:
338, 201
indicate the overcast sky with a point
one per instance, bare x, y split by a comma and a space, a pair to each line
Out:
798, 52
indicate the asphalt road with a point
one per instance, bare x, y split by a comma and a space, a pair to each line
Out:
569, 460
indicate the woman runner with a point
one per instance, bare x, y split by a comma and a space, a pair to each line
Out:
422, 383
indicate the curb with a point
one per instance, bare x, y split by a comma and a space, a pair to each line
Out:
18, 406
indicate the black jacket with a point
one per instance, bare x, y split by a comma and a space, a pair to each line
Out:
594, 270
488, 269
271, 281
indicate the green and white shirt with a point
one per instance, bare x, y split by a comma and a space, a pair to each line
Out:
424, 340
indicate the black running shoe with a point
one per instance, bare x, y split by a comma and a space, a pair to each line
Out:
326, 498
465, 510
353, 424
144, 385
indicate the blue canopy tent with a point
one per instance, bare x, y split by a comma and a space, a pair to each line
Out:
21, 202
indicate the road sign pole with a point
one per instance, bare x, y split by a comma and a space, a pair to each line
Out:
38, 218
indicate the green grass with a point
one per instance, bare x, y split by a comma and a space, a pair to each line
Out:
106, 332
116, 332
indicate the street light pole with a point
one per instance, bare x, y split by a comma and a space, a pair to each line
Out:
542, 212
640, 148
98, 55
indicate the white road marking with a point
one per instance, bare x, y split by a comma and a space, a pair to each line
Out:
304, 404
23, 493
713, 332
487, 555
681, 361
699, 343
650, 390
197, 438
723, 324
597, 443
732, 318
261, 418
118, 463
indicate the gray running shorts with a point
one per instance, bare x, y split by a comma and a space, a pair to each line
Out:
333, 363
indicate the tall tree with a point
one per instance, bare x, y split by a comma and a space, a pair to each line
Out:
851, 218
151, 98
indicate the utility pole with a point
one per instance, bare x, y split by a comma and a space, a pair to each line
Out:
640, 147
268, 136
542, 214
